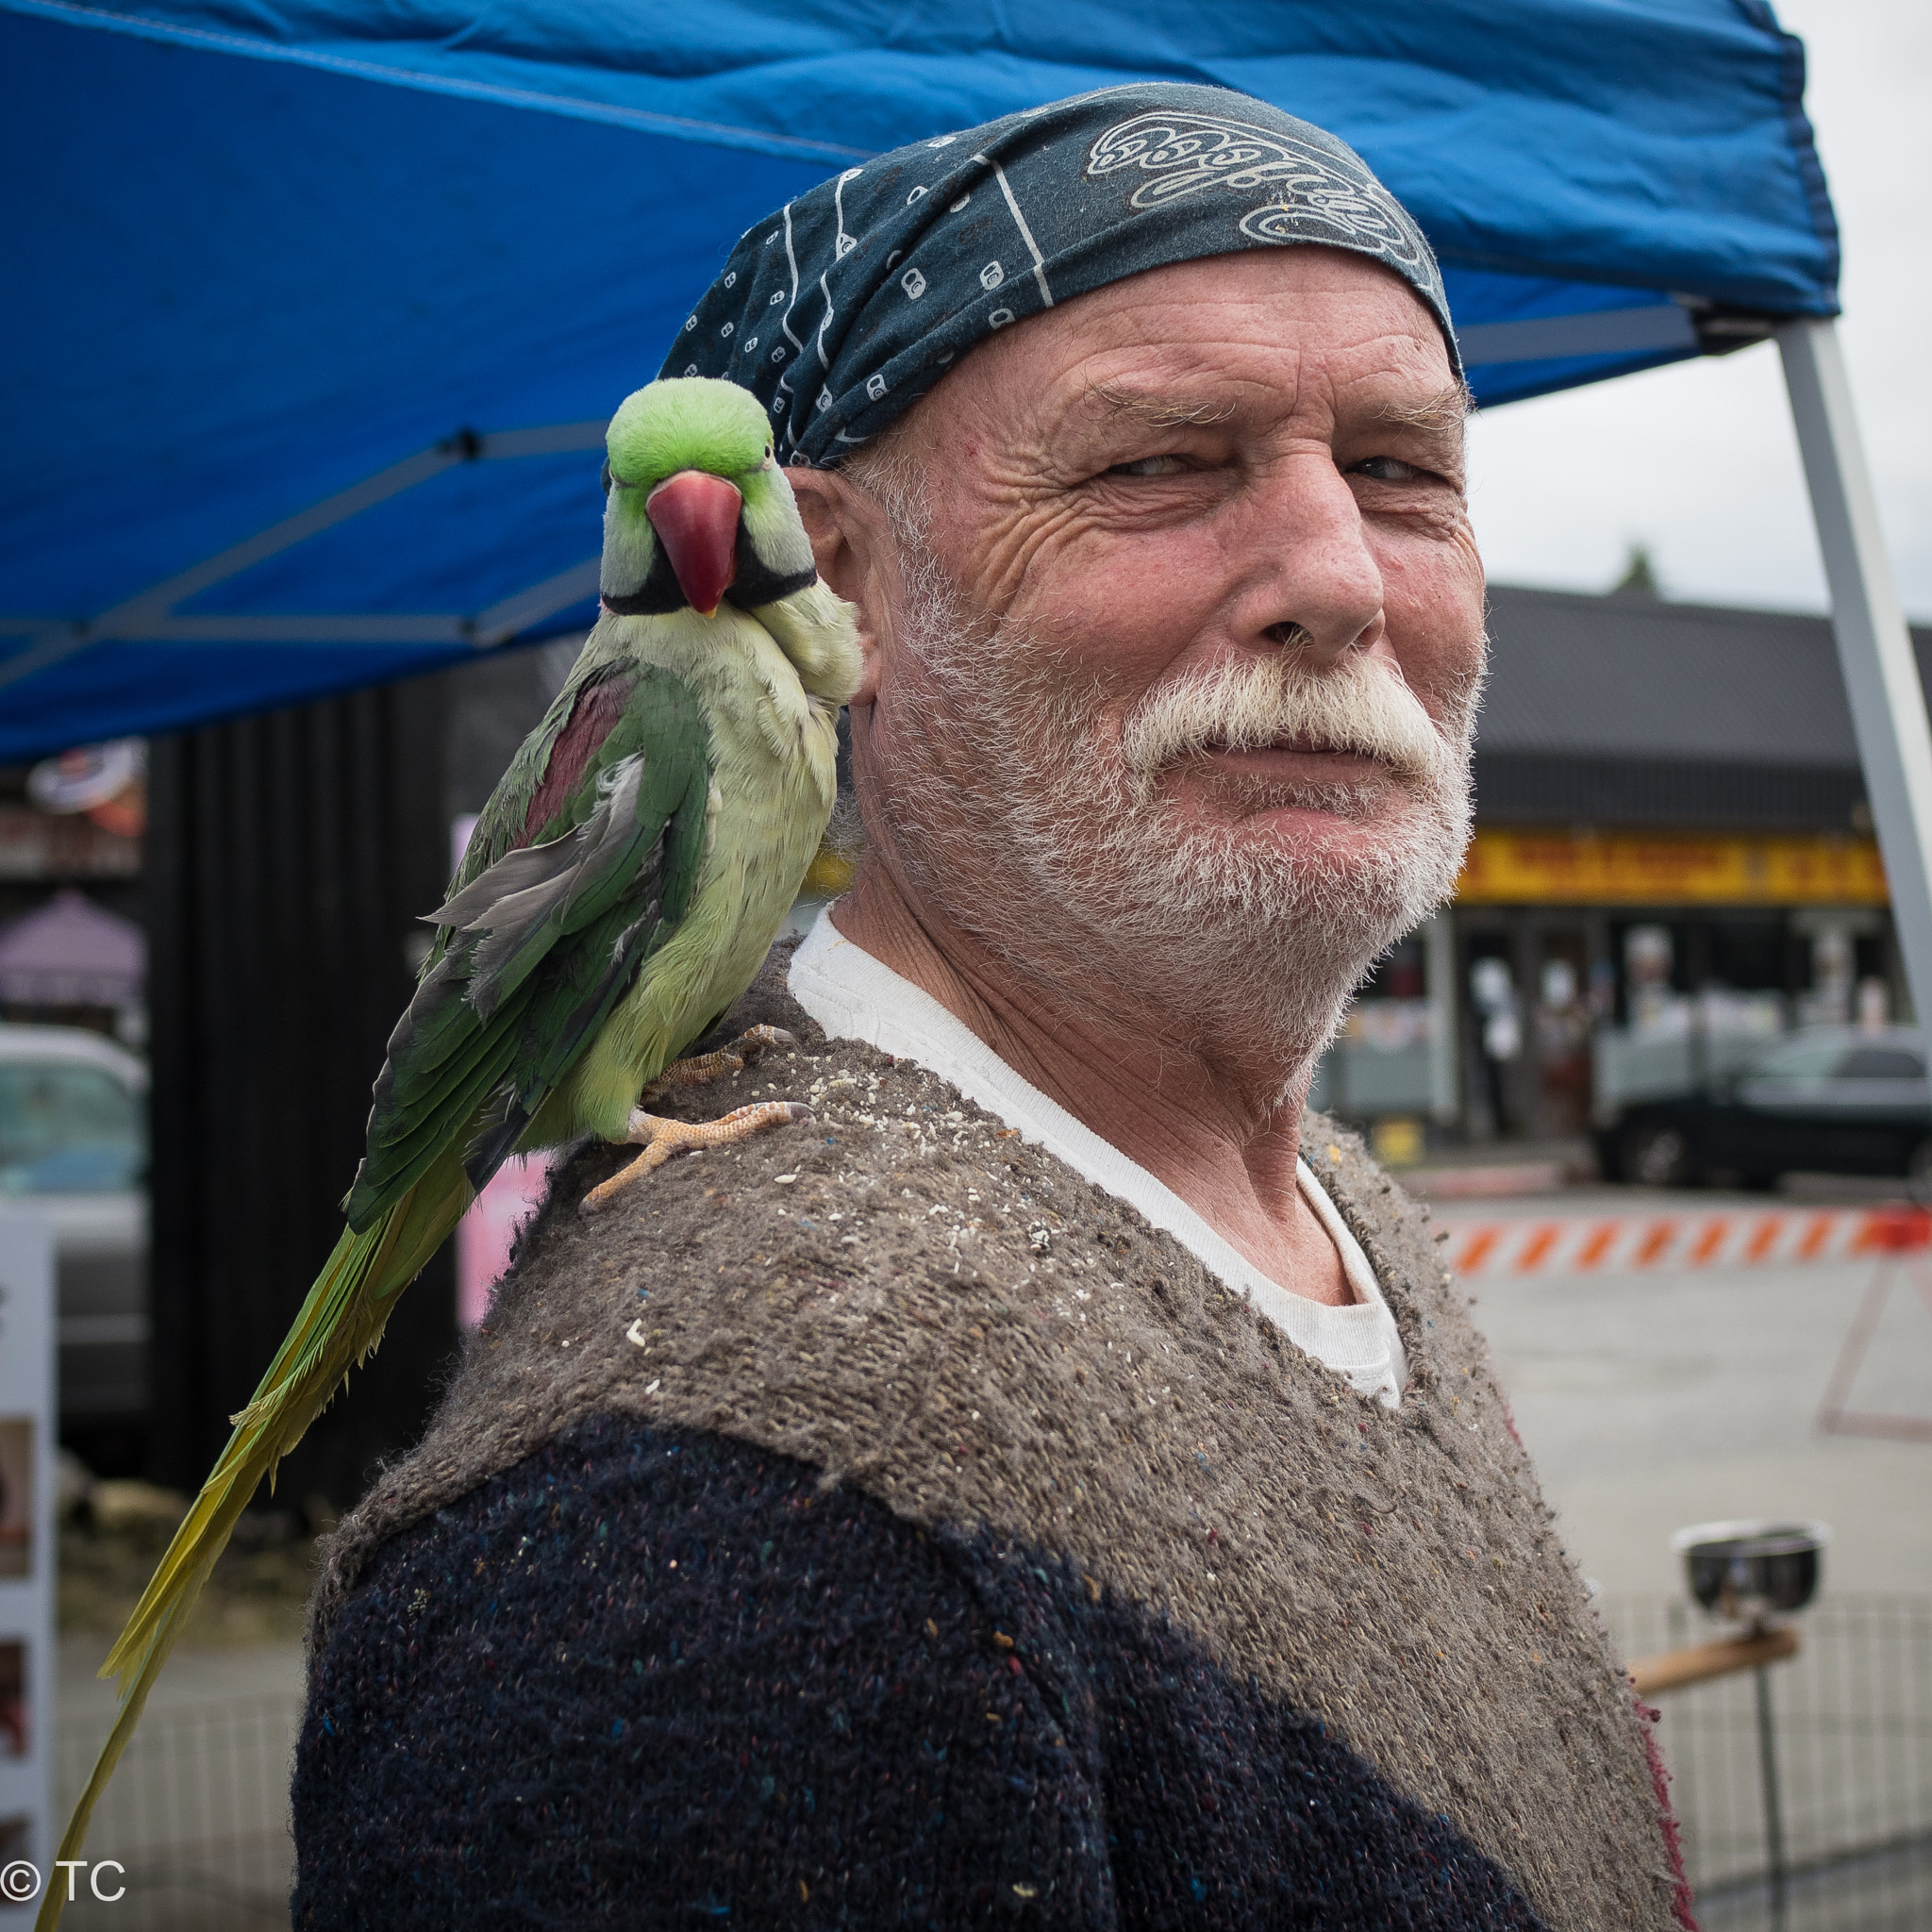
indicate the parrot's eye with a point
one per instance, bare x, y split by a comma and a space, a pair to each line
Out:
605, 479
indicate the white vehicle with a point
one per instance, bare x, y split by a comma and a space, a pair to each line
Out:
74, 1145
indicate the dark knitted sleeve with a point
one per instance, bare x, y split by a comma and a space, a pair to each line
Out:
654, 1677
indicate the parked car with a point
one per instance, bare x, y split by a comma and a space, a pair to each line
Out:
74, 1145
1824, 1100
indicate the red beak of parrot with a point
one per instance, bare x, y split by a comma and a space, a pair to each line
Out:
695, 516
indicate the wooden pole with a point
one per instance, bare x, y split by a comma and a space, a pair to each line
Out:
1675, 1670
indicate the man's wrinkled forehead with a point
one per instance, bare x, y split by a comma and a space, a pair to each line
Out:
1233, 340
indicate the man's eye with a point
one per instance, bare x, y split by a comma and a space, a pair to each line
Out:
1148, 466
1387, 470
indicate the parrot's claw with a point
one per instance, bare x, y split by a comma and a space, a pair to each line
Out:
708, 1067
661, 1139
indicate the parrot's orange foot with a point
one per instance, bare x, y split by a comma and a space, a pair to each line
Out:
661, 1139
708, 1067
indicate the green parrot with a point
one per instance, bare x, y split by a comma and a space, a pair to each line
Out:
620, 892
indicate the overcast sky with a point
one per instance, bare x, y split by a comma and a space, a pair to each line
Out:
1698, 460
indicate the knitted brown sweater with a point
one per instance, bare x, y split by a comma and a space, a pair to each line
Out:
901, 1312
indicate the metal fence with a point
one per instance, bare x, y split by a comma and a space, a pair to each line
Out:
198, 1813
199, 1809
1852, 1727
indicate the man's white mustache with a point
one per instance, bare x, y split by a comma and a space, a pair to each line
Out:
1357, 705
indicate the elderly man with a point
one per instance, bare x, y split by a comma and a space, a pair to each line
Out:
1058, 1481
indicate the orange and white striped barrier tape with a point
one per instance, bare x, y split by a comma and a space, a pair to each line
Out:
1711, 1238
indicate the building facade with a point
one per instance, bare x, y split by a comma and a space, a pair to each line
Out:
1673, 863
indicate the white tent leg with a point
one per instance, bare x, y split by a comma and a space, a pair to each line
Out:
1874, 650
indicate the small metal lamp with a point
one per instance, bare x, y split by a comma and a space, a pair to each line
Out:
1749, 1572
1752, 1570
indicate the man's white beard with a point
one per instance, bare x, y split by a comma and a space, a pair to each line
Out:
1049, 839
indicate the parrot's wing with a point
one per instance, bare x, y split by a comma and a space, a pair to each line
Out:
538, 946
542, 793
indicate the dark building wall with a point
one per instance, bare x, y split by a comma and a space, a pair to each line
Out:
1710, 794
1628, 710
289, 857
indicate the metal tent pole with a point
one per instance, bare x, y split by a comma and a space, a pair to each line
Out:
1773, 1805
1874, 650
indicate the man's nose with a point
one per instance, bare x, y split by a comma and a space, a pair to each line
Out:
1321, 588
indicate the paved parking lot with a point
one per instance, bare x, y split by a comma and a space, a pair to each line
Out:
1655, 1400
198, 1812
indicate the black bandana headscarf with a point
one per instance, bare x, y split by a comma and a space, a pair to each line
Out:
841, 310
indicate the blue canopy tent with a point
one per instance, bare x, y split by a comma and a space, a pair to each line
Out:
317, 309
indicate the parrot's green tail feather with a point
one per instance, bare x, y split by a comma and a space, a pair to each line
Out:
340, 1324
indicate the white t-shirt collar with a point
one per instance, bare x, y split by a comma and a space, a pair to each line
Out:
853, 996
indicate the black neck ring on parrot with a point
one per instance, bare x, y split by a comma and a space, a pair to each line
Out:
753, 584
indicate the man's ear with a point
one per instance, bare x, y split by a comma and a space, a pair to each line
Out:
848, 543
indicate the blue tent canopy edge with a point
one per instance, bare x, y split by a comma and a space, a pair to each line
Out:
323, 309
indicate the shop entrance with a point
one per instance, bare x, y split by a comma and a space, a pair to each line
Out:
1531, 986
1570, 1012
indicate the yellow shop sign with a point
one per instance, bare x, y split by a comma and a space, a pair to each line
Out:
1532, 867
